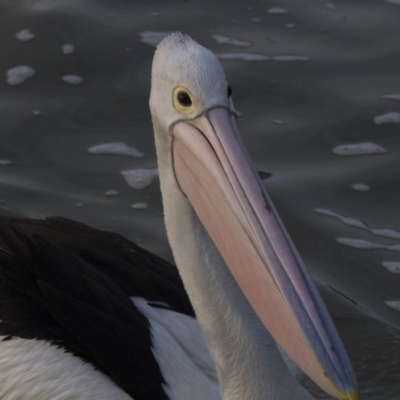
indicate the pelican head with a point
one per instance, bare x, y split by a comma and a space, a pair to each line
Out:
187, 80
205, 170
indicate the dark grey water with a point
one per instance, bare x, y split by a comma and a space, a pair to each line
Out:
294, 113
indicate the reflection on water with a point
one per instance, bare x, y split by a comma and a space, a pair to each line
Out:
323, 75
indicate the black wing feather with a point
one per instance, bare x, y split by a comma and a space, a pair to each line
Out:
70, 284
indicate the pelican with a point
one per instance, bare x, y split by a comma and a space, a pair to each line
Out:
86, 314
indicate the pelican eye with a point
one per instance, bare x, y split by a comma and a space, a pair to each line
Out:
228, 89
183, 100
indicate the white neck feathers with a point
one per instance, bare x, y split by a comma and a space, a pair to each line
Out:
248, 362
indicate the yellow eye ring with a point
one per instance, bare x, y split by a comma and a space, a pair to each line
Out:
183, 100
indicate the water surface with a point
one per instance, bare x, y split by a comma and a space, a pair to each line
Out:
319, 76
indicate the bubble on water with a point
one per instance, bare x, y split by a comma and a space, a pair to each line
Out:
140, 178
19, 74
112, 192
68, 48
140, 206
72, 79
24, 35
356, 149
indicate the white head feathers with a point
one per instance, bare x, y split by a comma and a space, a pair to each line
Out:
179, 61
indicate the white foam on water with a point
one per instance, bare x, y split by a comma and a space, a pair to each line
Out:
357, 149
4, 162
112, 192
19, 74
389, 233
152, 38
260, 57
115, 148
140, 206
24, 35
278, 11
68, 48
278, 121
392, 266
140, 178
36, 112
221, 39
361, 187
79, 204
394, 96
395, 304
393, 2
392, 117
72, 79
366, 245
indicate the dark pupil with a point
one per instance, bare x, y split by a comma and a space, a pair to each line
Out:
229, 91
184, 99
